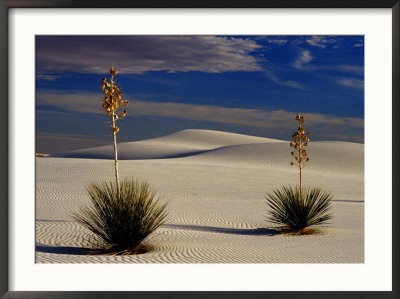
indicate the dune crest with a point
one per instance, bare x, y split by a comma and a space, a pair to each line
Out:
180, 144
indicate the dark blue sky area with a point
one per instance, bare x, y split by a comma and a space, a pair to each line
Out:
245, 84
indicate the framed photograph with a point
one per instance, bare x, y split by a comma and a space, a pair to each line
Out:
156, 150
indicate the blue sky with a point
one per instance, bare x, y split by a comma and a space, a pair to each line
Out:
244, 84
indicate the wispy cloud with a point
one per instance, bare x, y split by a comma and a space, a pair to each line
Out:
351, 82
89, 103
304, 58
78, 102
342, 68
48, 77
303, 62
358, 45
320, 41
49, 142
288, 83
65, 137
239, 116
139, 54
277, 41
352, 69
343, 137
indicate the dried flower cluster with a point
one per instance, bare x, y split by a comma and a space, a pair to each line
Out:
300, 140
112, 100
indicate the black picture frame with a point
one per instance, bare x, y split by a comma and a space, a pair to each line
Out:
5, 5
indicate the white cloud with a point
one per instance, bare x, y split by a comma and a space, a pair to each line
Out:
138, 54
304, 58
91, 103
351, 82
320, 41
358, 45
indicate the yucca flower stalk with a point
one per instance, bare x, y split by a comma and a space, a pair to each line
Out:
299, 142
112, 101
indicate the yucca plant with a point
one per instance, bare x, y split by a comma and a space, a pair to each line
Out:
122, 222
121, 215
295, 209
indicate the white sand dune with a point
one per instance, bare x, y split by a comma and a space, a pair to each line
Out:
180, 144
216, 185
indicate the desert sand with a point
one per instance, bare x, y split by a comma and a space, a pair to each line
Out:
216, 184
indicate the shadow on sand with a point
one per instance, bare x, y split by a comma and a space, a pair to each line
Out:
62, 249
110, 156
222, 230
226, 230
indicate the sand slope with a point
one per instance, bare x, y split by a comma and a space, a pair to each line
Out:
216, 187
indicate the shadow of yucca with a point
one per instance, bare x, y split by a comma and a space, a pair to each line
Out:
225, 230
62, 249
70, 250
122, 221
